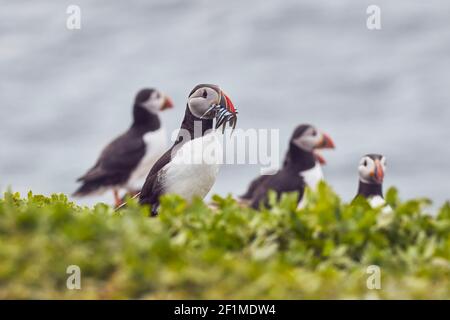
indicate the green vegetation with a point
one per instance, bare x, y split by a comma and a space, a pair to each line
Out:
192, 251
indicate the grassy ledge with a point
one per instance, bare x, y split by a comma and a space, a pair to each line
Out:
192, 251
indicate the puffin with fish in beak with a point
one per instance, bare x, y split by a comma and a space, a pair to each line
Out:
189, 168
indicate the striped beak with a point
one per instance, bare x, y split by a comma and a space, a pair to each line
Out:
326, 142
224, 112
168, 104
378, 173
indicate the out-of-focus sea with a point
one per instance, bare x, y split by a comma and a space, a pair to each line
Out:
65, 93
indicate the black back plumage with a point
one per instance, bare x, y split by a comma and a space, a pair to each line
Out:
120, 157
115, 163
254, 185
287, 179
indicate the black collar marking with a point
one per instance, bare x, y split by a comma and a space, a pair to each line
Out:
144, 120
370, 189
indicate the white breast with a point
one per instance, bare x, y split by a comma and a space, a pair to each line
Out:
193, 169
311, 177
377, 201
156, 145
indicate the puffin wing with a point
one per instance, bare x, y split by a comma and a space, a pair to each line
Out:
153, 186
280, 182
115, 164
253, 186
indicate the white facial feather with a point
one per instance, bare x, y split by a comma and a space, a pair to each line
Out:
366, 166
155, 102
201, 100
309, 140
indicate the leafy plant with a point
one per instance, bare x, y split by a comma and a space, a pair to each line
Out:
229, 252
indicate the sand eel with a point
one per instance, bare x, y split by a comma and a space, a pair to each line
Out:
129, 157
189, 168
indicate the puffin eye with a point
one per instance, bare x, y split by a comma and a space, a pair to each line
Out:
205, 93
314, 132
365, 163
158, 95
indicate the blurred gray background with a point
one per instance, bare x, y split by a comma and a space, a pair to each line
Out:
64, 94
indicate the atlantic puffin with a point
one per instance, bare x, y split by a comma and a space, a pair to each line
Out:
189, 168
301, 167
129, 157
371, 171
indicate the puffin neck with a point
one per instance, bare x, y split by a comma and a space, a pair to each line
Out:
299, 159
191, 123
370, 189
145, 121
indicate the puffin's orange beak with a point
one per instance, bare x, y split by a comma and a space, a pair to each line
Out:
326, 142
168, 104
378, 173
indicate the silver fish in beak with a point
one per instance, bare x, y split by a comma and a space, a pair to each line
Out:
224, 112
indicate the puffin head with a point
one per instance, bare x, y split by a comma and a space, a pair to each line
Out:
309, 139
208, 101
372, 168
152, 100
